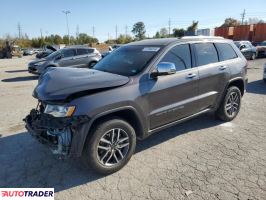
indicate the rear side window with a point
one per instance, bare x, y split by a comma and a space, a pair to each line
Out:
205, 53
226, 51
180, 56
68, 52
84, 51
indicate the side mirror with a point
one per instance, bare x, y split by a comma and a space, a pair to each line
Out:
164, 68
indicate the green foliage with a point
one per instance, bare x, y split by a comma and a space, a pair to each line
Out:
193, 27
139, 30
178, 32
124, 39
230, 22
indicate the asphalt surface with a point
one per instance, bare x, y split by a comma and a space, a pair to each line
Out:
201, 159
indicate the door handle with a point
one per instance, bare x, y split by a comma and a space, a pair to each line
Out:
222, 67
191, 75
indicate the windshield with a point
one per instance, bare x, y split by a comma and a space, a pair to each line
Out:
262, 44
237, 44
53, 55
127, 60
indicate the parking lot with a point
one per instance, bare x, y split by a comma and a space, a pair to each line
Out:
200, 159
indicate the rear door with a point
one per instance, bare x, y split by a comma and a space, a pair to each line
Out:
213, 75
81, 59
67, 59
173, 97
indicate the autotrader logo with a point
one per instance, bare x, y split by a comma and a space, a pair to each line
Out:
27, 193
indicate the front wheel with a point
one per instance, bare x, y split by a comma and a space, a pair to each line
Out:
253, 57
110, 146
230, 105
91, 64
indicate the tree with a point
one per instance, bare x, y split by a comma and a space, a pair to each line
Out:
157, 35
139, 30
57, 39
163, 32
124, 39
255, 20
230, 22
178, 32
193, 27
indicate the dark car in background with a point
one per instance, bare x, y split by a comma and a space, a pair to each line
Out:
137, 90
46, 52
261, 49
247, 49
75, 56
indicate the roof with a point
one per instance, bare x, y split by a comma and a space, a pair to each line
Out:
167, 41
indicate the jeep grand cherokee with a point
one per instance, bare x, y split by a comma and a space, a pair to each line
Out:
139, 89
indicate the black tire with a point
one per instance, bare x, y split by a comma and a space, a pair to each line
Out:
253, 56
99, 159
228, 111
264, 80
91, 64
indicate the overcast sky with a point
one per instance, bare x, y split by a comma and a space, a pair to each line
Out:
104, 15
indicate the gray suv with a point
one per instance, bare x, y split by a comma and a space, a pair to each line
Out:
75, 56
139, 89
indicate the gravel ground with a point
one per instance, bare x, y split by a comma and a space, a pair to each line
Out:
200, 159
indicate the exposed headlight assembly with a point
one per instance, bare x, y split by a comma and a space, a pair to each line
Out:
59, 111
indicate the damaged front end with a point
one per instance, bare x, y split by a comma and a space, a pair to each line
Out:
56, 132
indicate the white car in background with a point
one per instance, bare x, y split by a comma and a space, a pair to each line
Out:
264, 73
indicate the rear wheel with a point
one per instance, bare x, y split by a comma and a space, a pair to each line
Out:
230, 105
110, 146
253, 57
91, 64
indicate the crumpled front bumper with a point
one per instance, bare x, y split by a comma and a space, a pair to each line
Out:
59, 133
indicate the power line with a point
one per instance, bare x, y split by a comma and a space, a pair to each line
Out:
126, 27
77, 31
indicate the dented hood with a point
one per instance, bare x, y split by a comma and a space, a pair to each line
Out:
60, 83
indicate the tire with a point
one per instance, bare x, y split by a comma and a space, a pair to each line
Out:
264, 80
228, 109
253, 57
91, 64
101, 154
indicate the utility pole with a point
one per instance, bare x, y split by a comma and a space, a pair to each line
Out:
116, 29
77, 31
66, 12
41, 32
93, 31
19, 31
243, 16
169, 27
126, 27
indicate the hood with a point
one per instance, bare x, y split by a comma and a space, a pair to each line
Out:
60, 83
38, 60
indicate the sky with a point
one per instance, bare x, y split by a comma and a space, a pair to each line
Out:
104, 15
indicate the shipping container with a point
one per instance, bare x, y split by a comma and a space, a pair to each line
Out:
242, 32
259, 33
226, 32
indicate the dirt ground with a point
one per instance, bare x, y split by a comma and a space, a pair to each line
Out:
200, 159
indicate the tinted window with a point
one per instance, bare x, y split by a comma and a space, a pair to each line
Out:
127, 60
68, 52
180, 56
82, 51
206, 53
226, 51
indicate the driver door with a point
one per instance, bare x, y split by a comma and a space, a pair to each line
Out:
174, 96
67, 59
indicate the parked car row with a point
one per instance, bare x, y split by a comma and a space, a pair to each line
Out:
135, 91
73, 56
251, 52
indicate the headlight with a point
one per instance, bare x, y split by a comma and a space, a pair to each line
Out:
39, 63
59, 111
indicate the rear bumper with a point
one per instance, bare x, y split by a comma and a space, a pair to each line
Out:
61, 135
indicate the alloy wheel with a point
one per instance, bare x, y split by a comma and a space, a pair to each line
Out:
232, 104
113, 147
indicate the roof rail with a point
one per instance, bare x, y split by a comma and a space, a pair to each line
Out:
202, 37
